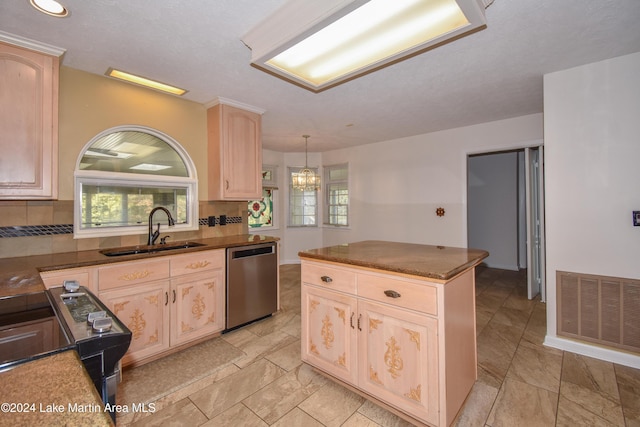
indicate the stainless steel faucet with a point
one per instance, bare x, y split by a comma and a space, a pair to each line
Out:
153, 235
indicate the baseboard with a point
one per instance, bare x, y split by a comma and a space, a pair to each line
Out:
609, 355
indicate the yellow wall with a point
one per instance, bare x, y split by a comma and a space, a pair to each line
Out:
90, 103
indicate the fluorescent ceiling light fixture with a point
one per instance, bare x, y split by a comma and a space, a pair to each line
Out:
143, 81
319, 44
149, 167
50, 7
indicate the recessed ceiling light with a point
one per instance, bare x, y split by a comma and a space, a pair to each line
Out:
50, 7
143, 81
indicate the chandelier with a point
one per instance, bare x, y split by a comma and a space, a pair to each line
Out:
306, 179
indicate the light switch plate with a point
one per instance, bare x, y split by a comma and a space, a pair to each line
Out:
636, 218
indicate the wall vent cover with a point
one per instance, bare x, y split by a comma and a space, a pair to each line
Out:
599, 309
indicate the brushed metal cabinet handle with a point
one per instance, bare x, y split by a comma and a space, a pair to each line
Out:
326, 279
392, 294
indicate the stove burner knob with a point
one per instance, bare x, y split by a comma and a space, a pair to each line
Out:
71, 285
91, 317
102, 325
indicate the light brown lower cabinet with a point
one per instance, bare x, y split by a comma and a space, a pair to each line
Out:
166, 302
404, 342
144, 309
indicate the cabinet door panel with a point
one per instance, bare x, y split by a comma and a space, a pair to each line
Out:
197, 307
398, 352
144, 310
242, 154
329, 332
234, 153
28, 124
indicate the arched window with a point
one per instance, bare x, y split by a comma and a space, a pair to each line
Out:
126, 171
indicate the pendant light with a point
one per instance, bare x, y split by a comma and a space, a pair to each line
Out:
306, 179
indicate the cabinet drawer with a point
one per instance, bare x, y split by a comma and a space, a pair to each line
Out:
196, 261
329, 277
132, 273
400, 293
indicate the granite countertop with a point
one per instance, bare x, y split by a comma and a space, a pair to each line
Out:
54, 390
21, 275
434, 262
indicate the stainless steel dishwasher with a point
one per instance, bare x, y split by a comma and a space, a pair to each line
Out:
252, 283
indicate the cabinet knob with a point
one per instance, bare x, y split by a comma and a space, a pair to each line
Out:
392, 294
326, 279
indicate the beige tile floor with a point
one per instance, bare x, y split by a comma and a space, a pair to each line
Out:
520, 382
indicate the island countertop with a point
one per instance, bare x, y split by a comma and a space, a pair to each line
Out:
434, 262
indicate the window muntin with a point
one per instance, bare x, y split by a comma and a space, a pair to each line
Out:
303, 205
114, 194
336, 179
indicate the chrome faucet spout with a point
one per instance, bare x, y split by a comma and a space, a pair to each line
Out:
153, 235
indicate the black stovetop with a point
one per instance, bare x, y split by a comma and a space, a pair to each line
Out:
29, 329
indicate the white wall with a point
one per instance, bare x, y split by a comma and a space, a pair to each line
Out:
492, 196
396, 186
592, 171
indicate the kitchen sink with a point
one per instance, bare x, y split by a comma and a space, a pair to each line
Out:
145, 249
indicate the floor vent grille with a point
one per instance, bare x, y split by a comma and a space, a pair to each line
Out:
599, 309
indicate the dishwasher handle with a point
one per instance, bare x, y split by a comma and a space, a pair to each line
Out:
250, 252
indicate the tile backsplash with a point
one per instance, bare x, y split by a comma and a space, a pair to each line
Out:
43, 227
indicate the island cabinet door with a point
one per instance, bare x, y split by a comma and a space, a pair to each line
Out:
329, 337
197, 306
398, 352
144, 309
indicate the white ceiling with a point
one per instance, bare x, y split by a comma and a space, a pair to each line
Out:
490, 75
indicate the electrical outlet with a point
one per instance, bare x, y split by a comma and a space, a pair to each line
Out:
212, 221
636, 218
223, 220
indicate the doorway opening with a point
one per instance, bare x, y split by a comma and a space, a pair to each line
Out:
505, 211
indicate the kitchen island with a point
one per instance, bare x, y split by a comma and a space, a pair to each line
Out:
394, 322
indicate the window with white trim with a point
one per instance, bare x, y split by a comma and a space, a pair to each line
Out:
303, 205
336, 183
126, 171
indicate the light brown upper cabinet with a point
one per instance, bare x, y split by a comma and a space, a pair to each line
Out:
28, 124
234, 153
